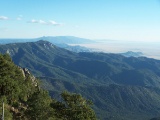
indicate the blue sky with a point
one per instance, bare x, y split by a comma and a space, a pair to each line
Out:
94, 19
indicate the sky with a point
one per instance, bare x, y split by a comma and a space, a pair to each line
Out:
130, 20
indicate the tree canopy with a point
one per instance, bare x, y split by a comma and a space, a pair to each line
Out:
24, 100
73, 107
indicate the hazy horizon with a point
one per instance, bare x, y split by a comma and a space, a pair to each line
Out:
149, 49
118, 25
103, 19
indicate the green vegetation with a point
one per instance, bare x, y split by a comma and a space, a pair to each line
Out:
73, 107
25, 100
123, 88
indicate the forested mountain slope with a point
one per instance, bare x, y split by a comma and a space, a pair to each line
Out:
23, 99
120, 87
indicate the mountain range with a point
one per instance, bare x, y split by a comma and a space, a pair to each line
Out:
70, 43
60, 41
124, 88
52, 39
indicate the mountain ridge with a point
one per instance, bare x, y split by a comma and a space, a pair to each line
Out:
52, 39
95, 76
60, 41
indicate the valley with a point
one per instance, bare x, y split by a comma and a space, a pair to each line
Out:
124, 88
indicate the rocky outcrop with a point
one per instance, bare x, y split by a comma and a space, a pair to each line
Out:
27, 74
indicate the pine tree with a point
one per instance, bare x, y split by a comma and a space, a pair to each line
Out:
74, 107
39, 106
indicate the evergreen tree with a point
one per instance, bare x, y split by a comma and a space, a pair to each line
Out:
24, 100
11, 79
74, 107
39, 106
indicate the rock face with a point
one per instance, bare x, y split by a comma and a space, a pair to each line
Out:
27, 74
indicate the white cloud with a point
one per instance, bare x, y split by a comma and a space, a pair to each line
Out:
33, 21
42, 22
37, 21
3, 18
51, 22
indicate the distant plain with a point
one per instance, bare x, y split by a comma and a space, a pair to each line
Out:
149, 49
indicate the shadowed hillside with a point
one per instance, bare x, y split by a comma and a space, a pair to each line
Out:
120, 87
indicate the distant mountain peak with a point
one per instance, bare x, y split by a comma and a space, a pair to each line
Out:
52, 39
132, 54
45, 43
66, 39
42, 41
